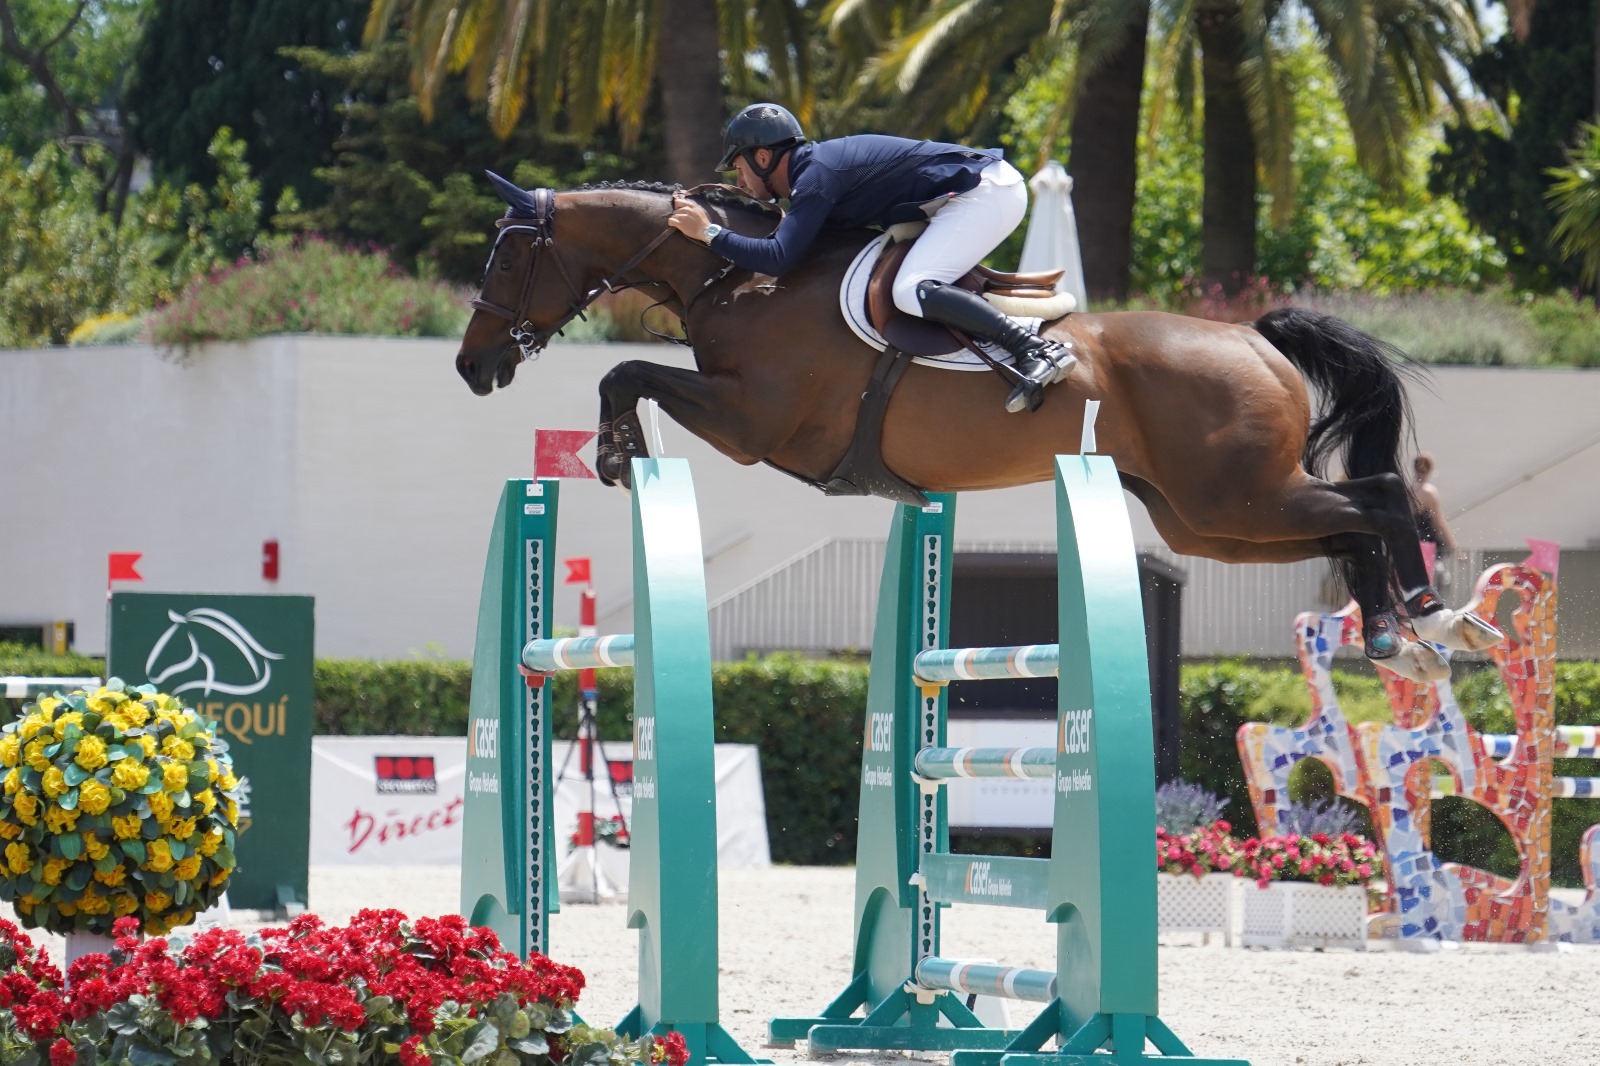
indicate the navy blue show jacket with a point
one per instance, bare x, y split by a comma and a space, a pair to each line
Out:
853, 182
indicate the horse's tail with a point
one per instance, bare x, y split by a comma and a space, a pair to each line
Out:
1364, 406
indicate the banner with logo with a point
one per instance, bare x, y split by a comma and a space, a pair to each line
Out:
245, 662
387, 801
398, 801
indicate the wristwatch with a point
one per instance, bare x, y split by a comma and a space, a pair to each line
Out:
712, 231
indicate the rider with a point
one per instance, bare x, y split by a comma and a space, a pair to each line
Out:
971, 198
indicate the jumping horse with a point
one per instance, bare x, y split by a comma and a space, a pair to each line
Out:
1210, 424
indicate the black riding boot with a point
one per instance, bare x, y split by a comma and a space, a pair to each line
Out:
1040, 362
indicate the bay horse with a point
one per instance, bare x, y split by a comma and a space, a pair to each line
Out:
1210, 424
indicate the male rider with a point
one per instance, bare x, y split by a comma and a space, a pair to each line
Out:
971, 198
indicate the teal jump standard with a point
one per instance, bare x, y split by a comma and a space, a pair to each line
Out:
509, 860
1098, 888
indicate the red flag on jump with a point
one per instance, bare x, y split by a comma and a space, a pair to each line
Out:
1545, 556
577, 571
119, 566
555, 453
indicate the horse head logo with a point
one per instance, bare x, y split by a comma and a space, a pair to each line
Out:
209, 652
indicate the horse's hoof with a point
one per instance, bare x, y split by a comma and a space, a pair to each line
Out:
1417, 662
1461, 630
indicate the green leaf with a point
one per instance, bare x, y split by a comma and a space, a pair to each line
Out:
78, 877
76, 775
483, 1039
142, 1054
135, 850
68, 800
71, 845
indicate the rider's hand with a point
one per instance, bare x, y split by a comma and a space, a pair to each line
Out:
689, 218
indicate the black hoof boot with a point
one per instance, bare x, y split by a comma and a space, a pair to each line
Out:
628, 441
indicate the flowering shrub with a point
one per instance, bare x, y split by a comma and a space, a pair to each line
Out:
1320, 858
311, 286
1329, 816
1200, 851
1182, 806
384, 990
115, 803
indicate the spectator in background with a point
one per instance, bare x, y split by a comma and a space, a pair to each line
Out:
1429, 512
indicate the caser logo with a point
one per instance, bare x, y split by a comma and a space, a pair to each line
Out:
405, 775
483, 742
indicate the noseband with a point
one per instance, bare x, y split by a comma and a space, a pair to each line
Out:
540, 225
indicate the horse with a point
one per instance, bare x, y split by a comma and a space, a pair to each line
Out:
1210, 424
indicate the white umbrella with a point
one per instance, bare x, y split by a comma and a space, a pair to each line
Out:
1052, 240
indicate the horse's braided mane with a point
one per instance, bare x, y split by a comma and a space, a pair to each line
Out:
720, 195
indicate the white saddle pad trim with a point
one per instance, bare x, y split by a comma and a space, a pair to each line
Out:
853, 305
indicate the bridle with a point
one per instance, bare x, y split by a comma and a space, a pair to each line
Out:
541, 226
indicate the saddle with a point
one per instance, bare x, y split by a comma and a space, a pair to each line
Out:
1030, 295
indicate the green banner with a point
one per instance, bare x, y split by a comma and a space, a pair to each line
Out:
245, 662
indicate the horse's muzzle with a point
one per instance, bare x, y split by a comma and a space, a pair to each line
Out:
484, 372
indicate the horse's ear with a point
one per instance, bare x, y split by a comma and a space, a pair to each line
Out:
520, 199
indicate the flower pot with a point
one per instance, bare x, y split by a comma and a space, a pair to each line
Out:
1294, 914
81, 944
1189, 904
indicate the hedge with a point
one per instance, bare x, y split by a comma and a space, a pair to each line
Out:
806, 717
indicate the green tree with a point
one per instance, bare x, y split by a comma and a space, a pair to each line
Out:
1540, 89
62, 83
63, 260
205, 64
1392, 60
947, 67
583, 64
416, 187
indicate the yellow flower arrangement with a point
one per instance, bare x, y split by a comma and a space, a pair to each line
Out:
120, 801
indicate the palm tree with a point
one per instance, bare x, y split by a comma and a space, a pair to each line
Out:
1391, 60
588, 62
1575, 197
944, 63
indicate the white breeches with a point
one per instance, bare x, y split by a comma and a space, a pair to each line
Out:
962, 231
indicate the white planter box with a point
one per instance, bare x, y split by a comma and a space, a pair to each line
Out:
1291, 914
1189, 904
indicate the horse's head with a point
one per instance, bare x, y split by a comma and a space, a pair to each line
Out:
208, 651
533, 286
527, 295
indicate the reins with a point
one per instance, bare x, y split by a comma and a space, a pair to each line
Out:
540, 226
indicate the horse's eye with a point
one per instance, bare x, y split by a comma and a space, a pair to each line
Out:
505, 264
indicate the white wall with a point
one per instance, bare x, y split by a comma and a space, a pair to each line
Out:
378, 472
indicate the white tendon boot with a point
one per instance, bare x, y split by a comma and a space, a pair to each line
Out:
1461, 630
1417, 662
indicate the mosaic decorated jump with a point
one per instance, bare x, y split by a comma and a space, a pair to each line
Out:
1100, 1001
1384, 767
509, 863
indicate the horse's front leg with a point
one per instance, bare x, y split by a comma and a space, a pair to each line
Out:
707, 405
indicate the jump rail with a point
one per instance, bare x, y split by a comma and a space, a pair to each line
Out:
1098, 888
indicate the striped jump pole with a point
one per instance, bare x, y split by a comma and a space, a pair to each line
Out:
1572, 742
1098, 888
509, 860
27, 688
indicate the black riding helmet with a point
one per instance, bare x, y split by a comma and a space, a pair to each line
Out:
759, 126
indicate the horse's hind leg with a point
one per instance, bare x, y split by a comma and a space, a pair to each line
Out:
1385, 495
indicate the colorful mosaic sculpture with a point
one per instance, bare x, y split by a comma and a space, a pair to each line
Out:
1388, 768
